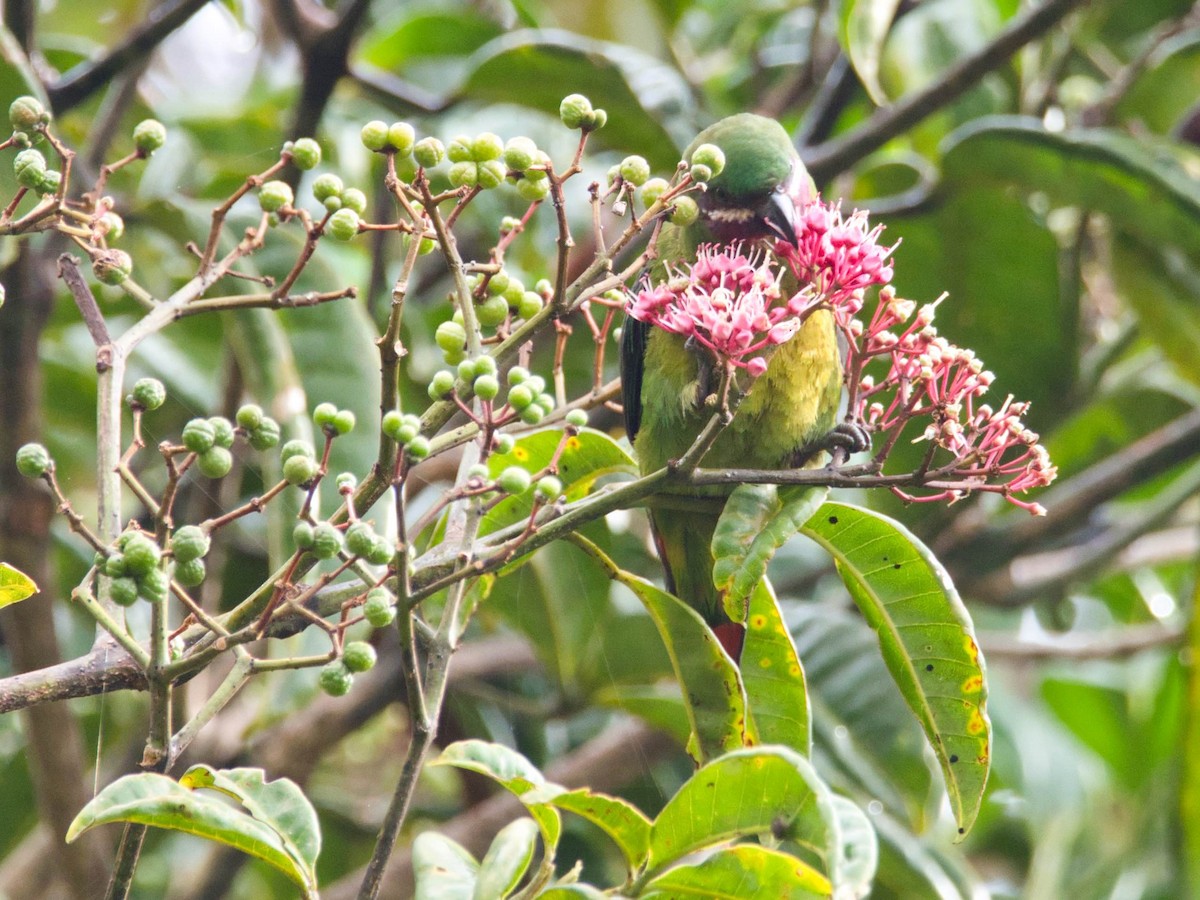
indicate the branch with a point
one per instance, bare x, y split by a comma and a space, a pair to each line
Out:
1109, 644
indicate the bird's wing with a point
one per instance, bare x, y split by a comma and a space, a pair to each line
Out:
634, 335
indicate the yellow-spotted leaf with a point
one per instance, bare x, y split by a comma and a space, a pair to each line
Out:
15, 585
734, 873
622, 822
773, 676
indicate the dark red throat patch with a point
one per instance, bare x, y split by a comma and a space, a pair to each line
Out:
731, 635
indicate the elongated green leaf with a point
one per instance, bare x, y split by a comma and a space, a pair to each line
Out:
661, 705
749, 791
279, 804
621, 821
15, 585
574, 892
443, 868
773, 675
512, 770
862, 29
860, 848
738, 872
506, 860
152, 799
926, 636
756, 521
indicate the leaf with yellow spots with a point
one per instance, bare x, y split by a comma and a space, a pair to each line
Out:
15, 585
926, 637
774, 678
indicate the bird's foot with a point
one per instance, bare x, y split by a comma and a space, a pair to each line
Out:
842, 441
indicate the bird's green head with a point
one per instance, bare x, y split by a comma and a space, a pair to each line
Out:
756, 193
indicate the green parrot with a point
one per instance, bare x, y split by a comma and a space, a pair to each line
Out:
789, 413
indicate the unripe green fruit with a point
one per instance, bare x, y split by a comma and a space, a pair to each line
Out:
112, 225
504, 443
266, 435
381, 552
492, 311
112, 266
574, 110
491, 173
374, 135
533, 191
530, 305
49, 183
297, 447
653, 189
517, 375
464, 174
401, 137
327, 185
487, 146
380, 608
532, 414
549, 488
514, 480
709, 155
222, 431
343, 225
33, 461
199, 435
536, 384
25, 113
306, 153
360, 538
598, 120
359, 656
418, 447
701, 174
539, 173
391, 423
487, 387
519, 397
189, 542
459, 150
577, 418
275, 195
332, 204
353, 198
123, 591
520, 153
300, 469
441, 385
546, 402
215, 462
147, 393
250, 416
141, 555
485, 365
428, 152
635, 170
450, 336
406, 433
327, 541
302, 535
114, 566
154, 585
336, 680
190, 572
685, 211
346, 481
512, 293
149, 135
466, 370
323, 414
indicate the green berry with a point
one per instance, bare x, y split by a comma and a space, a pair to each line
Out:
215, 462
154, 585
343, 225
549, 488
533, 191
306, 153
530, 305
536, 384
504, 443
406, 432
401, 137
491, 173
418, 447
485, 365
546, 402
49, 183
190, 572
492, 311
149, 135
300, 469
112, 266
466, 370
250, 416
441, 385
517, 375
296, 448
189, 542
487, 387
112, 225
147, 394
598, 120
222, 431
381, 552
353, 198
380, 607
685, 211
346, 481
141, 555
653, 189
25, 113
332, 204
464, 174
33, 461
391, 423
450, 336
709, 155
574, 110
123, 591
701, 174
428, 152
459, 150
302, 535
520, 153
323, 414
327, 185
519, 397
487, 146
327, 541
514, 480
577, 418
336, 680
512, 293
275, 195
635, 170
359, 656
374, 135
538, 172
266, 435
199, 435
532, 414
114, 566
509, 224
360, 538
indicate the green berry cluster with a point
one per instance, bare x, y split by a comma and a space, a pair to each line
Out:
405, 430
149, 135
333, 421
477, 162
210, 439
707, 162
362, 540
147, 394
304, 152
300, 465
261, 430
346, 205
323, 540
529, 165
379, 609
576, 112
135, 567
527, 397
27, 113
34, 461
189, 545
32, 172
337, 677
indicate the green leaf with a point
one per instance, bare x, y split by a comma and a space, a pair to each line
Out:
926, 637
757, 520
15, 585
738, 872
573, 891
152, 799
506, 860
621, 821
860, 848
773, 676
661, 705
425, 35
862, 29
749, 791
512, 770
443, 868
